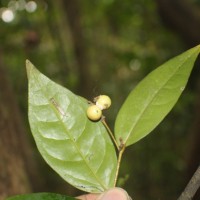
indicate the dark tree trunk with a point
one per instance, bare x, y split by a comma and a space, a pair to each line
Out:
73, 14
182, 17
194, 144
13, 174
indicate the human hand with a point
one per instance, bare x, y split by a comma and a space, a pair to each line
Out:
112, 194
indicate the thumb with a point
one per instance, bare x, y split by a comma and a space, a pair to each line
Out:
114, 194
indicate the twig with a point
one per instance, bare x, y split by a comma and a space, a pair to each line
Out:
121, 151
120, 148
110, 132
191, 187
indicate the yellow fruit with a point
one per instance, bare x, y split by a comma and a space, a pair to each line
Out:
103, 102
94, 112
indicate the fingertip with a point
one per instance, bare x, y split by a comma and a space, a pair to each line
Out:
88, 197
114, 194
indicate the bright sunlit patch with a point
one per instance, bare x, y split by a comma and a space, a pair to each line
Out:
7, 15
31, 6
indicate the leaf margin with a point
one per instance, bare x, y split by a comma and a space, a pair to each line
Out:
30, 67
119, 119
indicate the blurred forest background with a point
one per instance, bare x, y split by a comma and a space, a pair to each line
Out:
98, 47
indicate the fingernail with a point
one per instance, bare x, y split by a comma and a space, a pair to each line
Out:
115, 194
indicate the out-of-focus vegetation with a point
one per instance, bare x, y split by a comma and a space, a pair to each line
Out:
119, 42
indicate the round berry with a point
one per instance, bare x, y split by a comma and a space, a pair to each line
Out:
94, 112
103, 102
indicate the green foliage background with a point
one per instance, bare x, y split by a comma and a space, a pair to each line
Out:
124, 41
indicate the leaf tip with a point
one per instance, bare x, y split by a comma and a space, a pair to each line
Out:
29, 67
197, 48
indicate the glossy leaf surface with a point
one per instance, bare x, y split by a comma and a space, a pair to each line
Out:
41, 196
79, 150
153, 98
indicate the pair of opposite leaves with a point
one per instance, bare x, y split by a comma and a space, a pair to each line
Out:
80, 150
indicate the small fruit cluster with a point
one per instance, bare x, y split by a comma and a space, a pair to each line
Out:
94, 111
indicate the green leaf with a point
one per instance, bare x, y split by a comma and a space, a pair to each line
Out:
153, 98
41, 196
79, 150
